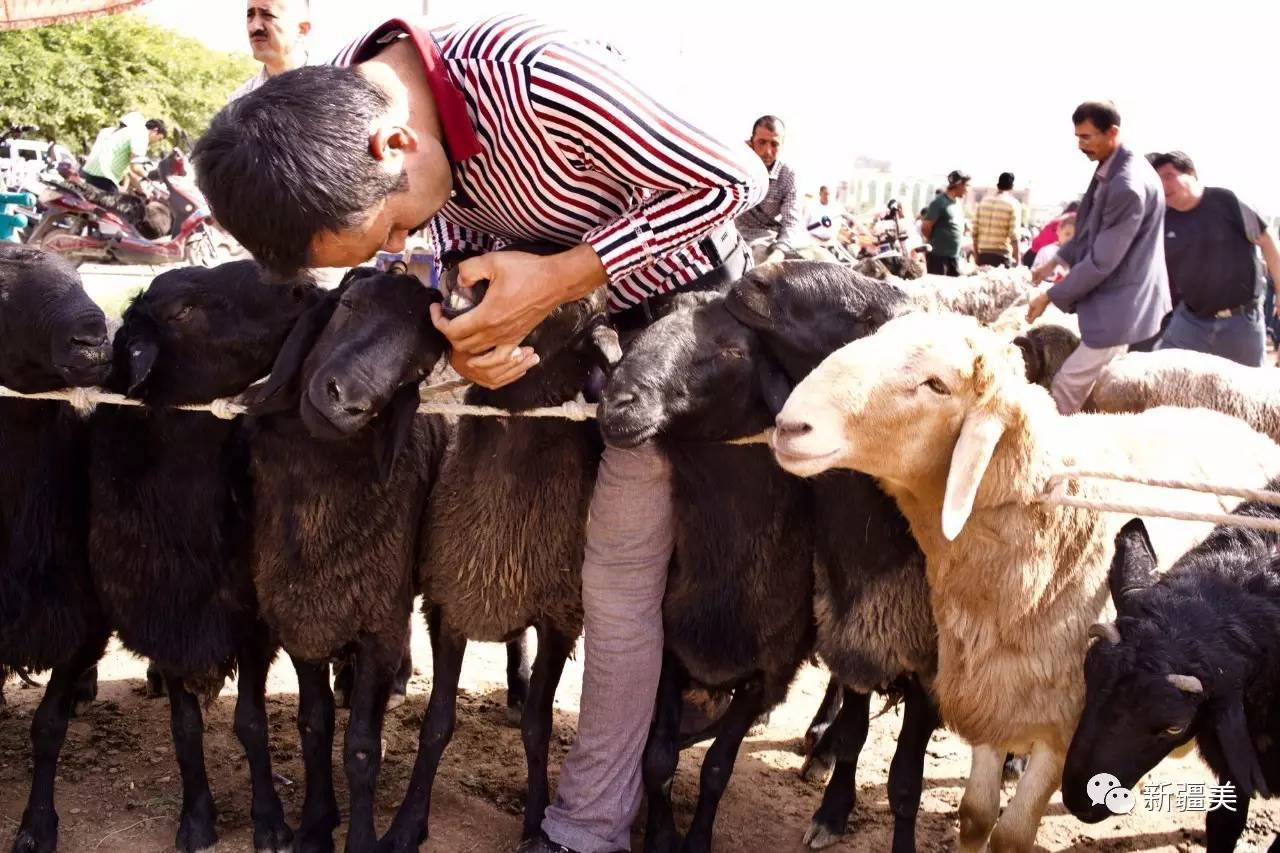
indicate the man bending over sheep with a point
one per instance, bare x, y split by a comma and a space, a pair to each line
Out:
1116, 282
509, 130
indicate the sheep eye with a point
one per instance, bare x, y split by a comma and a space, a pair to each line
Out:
733, 353
182, 314
937, 386
1174, 731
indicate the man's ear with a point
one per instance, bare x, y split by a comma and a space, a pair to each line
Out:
390, 141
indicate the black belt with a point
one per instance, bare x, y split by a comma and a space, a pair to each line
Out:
729, 266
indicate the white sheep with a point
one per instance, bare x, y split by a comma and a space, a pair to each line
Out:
986, 295
937, 408
1138, 381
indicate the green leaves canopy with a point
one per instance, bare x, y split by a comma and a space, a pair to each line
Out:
74, 79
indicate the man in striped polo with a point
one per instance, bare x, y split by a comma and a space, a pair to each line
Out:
510, 130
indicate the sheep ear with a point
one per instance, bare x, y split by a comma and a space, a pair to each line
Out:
979, 436
775, 385
1033, 356
143, 351
1232, 728
605, 350
1133, 565
280, 392
392, 428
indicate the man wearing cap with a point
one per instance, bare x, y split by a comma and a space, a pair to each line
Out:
943, 226
1116, 282
493, 132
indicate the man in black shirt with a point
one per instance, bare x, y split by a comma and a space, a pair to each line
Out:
1211, 243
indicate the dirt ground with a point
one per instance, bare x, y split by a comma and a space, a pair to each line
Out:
119, 790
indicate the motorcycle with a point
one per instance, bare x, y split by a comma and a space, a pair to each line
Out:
83, 224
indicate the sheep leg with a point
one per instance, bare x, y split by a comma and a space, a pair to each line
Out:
553, 650
196, 830
717, 766
85, 691
448, 646
344, 676
824, 717
1223, 827
376, 664
400, 685
980, 805
315, 729
662, 756
825, 755
843, 740
519, 665
39, 830
1015, 831
270, 832
155, 681
920, 719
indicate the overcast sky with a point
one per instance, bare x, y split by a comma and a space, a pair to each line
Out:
931, 85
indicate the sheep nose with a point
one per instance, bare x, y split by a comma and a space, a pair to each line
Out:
787, 428
342, 400
622, 399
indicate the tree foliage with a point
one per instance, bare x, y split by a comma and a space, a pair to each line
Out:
72, 80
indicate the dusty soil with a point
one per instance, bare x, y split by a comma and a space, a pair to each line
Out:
119, 790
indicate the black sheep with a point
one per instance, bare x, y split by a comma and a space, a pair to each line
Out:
170, 513
52, 336
336, 521
738, 610
875, 623
1193, 655
503, 542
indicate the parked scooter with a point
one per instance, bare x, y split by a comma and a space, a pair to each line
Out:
83, 225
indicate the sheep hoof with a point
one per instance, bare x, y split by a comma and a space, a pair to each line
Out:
1014, 767
275, 839
818, 837
515, 715
816, 769
26, 843
395, 700
81, 707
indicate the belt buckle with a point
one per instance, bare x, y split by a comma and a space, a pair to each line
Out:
1224, 314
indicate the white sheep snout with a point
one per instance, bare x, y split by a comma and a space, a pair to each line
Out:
808, 437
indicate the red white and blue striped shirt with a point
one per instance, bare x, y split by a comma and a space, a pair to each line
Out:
549, 142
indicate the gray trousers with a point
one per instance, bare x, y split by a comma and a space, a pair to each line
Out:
1078, 375
630, 537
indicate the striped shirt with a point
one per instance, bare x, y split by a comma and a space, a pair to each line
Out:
995, 225
549, 142
777, 216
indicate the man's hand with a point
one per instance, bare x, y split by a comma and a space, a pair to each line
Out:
774, 257
1038, 305
523, 290
1040, 273
498, 367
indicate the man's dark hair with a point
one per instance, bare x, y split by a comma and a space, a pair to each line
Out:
291, 160
769, 123
157, 125
1177, 159
1005, 181
1101, 114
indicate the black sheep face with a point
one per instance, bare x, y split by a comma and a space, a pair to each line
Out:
697, 374
1147, 686
197, 334
378, 339
807, 310
52, 335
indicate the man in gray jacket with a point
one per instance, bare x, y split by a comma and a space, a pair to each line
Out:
1117, 284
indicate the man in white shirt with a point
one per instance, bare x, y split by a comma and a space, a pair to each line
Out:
278, 32
824, 207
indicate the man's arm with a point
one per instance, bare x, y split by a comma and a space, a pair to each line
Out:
1093, 263
789, 228
1271, 255
1015, 225
975, 229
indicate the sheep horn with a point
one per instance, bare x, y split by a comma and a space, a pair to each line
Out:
1186, 683
1105, 631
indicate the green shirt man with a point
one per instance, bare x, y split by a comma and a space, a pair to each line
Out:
944, 226
115, 150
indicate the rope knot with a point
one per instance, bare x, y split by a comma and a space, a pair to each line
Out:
83, 400
225, 408
576, 411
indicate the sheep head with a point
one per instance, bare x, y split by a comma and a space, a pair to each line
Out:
695, 375
806, 310
921, 403
196, 334
52, 335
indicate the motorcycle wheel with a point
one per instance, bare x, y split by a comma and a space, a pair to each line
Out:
200, 250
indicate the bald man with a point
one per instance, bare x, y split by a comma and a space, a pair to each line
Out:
277, 32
